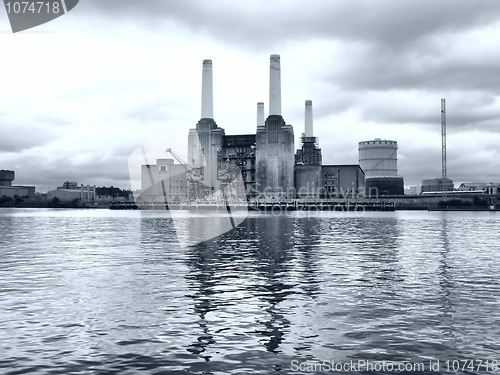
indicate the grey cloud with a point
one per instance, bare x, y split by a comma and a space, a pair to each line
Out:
389, 46
463, 110
398, 45
336, 103
474, 168
463, 162
379, 68
21, 137
417, 166
31, 171
266, 23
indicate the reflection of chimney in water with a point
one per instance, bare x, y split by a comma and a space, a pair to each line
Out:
207, 95
309, 119
275, 86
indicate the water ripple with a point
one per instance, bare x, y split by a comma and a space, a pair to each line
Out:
103, 292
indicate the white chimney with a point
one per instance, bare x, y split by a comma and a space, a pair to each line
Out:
207, 95
260, 114
275, 86
309, 118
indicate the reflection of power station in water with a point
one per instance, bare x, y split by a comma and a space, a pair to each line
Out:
379, 160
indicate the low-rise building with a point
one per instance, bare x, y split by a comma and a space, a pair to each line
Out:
84, 194
412, 190
6, 188
437, 185
480, 187
164, 180
342, 180
69, 185
384, 186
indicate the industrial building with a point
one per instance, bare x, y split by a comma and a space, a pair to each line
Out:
308, 161
342, 181
266, 162
437, 185
412, 190
266, 158
164, 179
6, 188
69, 185
480, 187
379, 160
70, 191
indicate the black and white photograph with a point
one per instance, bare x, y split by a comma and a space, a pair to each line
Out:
249, 187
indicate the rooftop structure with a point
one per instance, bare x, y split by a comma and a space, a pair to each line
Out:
6, 188
6, 177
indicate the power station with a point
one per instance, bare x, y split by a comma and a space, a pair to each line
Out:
267, 160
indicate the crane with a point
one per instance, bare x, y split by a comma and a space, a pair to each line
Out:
179, 160
229, 169
194, 176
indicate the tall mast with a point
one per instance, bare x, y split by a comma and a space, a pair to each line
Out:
443, 144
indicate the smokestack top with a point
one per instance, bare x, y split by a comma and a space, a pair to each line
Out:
275, 86
309, 119
207, 96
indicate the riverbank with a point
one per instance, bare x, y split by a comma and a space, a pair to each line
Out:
46, 203
413, 203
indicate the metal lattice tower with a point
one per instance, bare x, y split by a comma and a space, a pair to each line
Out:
443, 143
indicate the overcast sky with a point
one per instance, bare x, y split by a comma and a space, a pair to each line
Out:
79, 94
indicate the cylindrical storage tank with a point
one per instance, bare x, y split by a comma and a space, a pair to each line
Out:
379, 157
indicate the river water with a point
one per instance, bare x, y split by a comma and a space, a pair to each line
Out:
113, 292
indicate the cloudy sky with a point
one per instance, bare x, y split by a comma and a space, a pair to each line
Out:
79, 94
